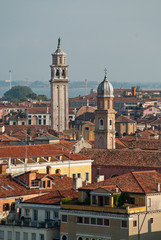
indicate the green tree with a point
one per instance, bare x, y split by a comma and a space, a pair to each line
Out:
18, 92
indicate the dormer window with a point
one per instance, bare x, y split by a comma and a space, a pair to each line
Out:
101, 124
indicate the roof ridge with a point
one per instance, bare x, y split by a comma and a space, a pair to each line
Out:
137, 181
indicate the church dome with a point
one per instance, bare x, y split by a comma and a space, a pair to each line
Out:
105, 88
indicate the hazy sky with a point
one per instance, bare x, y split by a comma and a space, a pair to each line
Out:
123, 36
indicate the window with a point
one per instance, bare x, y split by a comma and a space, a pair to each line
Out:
106, 222
110, 122
132, 200
14, 123
79, 175
93, 199
42, 237
23, 123
57, 73
99, 221
25, 236
9, 235
107, 201
124, 224
64, 218
101, 124
80, 238
29, 122
134, 223
27, 212
42, 184
79, 220
64, 237
44, 121
48, 184
6, 207
12, 206
56, 215
87, 176
151, 220
35, 215
17, 235
86, 220
93, 221
39, 121
33, 236
47, 215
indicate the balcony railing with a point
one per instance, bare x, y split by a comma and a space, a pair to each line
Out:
29, 223
127, 210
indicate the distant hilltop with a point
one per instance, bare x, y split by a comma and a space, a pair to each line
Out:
81, 84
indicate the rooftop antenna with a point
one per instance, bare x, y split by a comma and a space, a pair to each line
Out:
10, 80
85, 87
10, 72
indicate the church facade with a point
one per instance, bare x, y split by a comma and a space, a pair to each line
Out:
59, 91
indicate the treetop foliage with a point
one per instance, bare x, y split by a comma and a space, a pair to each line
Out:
22, 93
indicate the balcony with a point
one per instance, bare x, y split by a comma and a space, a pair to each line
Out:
127, 210
26, 222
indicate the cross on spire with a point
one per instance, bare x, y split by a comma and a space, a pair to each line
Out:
105, 72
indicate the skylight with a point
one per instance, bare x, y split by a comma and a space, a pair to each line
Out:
10, 187
4, 188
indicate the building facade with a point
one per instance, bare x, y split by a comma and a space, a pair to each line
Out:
59, 91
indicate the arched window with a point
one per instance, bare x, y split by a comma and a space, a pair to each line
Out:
101, 124
64, 237
117, 134
63, 72
57, 72
80, 238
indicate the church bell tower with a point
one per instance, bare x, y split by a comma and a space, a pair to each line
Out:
105, 116
59, 90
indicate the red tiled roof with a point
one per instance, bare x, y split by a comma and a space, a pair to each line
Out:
10, 188
134, 182
54, 197
6, 138
37, 150
124, 157
38, 110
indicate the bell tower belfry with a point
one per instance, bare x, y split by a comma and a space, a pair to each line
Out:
105, 116
59, 90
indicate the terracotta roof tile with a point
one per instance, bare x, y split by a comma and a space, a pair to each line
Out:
134, 182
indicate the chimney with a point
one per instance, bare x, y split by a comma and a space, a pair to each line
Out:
48, 170
3, 168
77, 183
158, 187
116, 190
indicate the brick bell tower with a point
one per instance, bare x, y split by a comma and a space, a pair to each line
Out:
105, 116
59, 90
